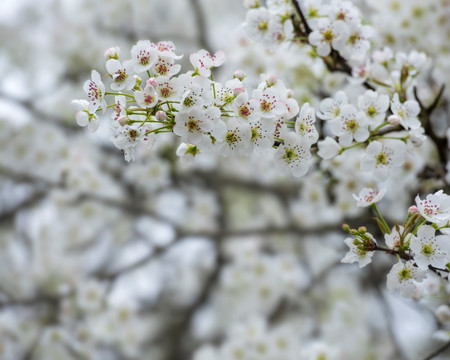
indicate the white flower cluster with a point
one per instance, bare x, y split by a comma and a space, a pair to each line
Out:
366, 125
340, 29
206, 115
334, 26
415, 242
271, 25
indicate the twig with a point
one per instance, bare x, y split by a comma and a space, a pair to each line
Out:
438, 351
201, 26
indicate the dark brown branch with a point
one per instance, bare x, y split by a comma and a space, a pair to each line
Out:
334, 62
438, 351
300, 14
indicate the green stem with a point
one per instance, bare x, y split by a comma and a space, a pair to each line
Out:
349, 147
116, 93
379, 127
389, 137
374, 206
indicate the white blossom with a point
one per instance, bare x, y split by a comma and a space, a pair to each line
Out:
356, 254
368, 196
435, 208
430, 249
293, 155
404, 277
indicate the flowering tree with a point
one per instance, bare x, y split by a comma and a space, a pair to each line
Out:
203, 218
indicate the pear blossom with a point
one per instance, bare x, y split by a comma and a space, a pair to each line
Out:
350, 125
84, 117
227, 93
126, 138
202, 62
90, 295
368, 196
380, 157
120, 73
112, 53
236, 140
147, 98
293, 155
328, 34
279, 6
344, 11
314, 10
393, 239
187, 153
356, 254
257, 23
435, 208
166, 88
406, 112
218, 58
262, 134
196, 91
374, 106
143, 56
330, 108
269, 102
193, 125
166, 48
119, 108
356, 43
95, 91
404, 277
328, 148
278, 32
430, 249
165, 66
304, 125
246, 108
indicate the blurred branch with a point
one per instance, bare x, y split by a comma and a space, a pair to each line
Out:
8, 215
201, 25
438, 351
177, 352
375, 281
41, 116
158, 251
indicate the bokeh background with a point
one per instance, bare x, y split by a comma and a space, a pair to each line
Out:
101, 259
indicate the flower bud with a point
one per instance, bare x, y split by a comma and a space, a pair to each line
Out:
362, 229
289, 93
239, 74
123, 120
345, 227
443, 314
112, 53
138, 82
271, 79
161, 115
412, 210
394, 119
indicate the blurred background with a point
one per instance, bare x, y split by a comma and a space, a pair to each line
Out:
223, 259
